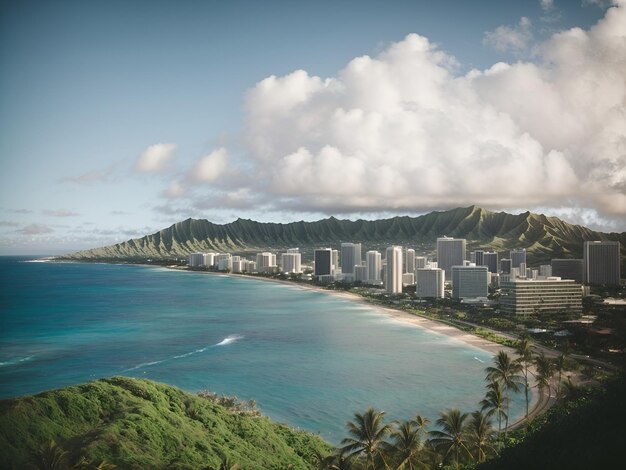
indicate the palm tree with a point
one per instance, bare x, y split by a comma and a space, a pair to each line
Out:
495, 403
545, 371
481, 435
407, 447
559, 366
506, 372
525, 353
49, 456
367, 437
452, 437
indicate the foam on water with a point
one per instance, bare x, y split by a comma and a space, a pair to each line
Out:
229, 340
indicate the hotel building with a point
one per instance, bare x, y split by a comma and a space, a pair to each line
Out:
450, 252
393, 274
429, 282
551, 295
470, 282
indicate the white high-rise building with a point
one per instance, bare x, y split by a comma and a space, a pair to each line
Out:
236, 264
374, 265
410, 261
265, 261
408, 279
350, 257
393, 277
224, 261
335, 261
450, 252
209, 259
291, 261
429, 282
470, 282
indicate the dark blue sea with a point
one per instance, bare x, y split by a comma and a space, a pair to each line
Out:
310, 359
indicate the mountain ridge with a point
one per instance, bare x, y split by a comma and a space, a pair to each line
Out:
544, 237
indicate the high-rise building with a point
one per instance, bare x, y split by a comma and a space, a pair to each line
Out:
291, 262
469, 282
265, 261
420, 262
551, 295
196, 260
374, 266
323, 261
236, 263
518, 256
393, 278
545, 270
335, 261
410, 261
505, 266
350, 257
429, 282
360, 273
568, 269
601, 259
408, 279
224, 261
209, 259
490, 259
450, 252
479, 257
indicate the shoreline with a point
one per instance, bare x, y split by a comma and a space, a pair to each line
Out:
538, 403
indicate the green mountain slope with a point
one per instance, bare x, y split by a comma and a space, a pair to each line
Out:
136, 423
543, 237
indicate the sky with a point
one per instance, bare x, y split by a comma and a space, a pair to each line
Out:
120, 118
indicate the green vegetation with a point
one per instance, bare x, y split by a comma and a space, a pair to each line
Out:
132, 423
543, 237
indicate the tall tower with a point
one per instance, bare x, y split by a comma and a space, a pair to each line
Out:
518, 256
410, 261
490, 259
323, 261
373, 263
393, 278
350, 257
450, 252
601, 260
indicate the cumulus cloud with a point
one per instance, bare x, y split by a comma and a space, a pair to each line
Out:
175, 190
211, 167
35, 229
155, 158
403, 131
514, 39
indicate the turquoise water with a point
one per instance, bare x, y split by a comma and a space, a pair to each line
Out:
310, 359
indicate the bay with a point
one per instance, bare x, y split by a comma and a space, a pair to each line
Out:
310, 359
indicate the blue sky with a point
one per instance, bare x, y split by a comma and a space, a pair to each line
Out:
121, 118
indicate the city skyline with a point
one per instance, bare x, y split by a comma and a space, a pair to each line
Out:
119, 119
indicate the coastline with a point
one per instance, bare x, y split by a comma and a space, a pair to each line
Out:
538, 403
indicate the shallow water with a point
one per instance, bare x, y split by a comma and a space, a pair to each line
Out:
309, 359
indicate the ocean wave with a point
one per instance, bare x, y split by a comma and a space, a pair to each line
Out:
228, 340
145, 364
15, 361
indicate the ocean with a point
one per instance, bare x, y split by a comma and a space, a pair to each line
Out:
310, 359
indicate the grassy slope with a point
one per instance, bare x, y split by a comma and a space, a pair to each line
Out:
137, 423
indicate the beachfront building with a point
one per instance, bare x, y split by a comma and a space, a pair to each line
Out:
291, 262
450, 252
601, 262
360, 273
373, 262
531, 296
266, 262
224, 261
350, 257
470, 282
196, 260
322, 257
209, 259
429, 282
393, 270
335, 261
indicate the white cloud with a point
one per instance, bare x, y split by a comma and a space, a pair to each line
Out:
175, 190
546, 5
155, 158
211, 167
515, 39
61, 213
402, 132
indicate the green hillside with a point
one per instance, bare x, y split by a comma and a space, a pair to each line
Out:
543, 237
134, 423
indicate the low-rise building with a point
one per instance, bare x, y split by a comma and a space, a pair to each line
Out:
550, 295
